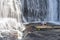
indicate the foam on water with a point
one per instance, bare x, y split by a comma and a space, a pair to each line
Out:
10, 16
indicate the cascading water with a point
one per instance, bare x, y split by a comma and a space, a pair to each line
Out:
53, 10
10, 9
53, 16
10, 18
41, 11
35, 10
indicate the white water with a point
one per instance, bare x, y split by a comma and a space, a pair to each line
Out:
10, 8
53, 10
10, 16
38, 10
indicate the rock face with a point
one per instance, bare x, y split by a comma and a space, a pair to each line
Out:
44, 35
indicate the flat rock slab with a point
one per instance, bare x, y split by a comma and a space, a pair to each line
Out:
53, 34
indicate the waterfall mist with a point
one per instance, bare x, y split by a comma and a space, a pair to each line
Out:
10, 17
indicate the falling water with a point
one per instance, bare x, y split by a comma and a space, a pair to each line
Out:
10, 16
41, 11
53, 10
10, 8
53, 16
35, 10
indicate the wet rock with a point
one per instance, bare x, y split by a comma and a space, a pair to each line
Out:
44, 35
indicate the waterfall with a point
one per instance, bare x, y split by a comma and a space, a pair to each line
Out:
36, 11
59, 10
53, 16
10, 9
10, 18
53, 10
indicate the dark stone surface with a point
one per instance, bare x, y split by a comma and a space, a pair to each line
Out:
1, 38
44, 35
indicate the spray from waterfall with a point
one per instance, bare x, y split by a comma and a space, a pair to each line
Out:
10, 16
